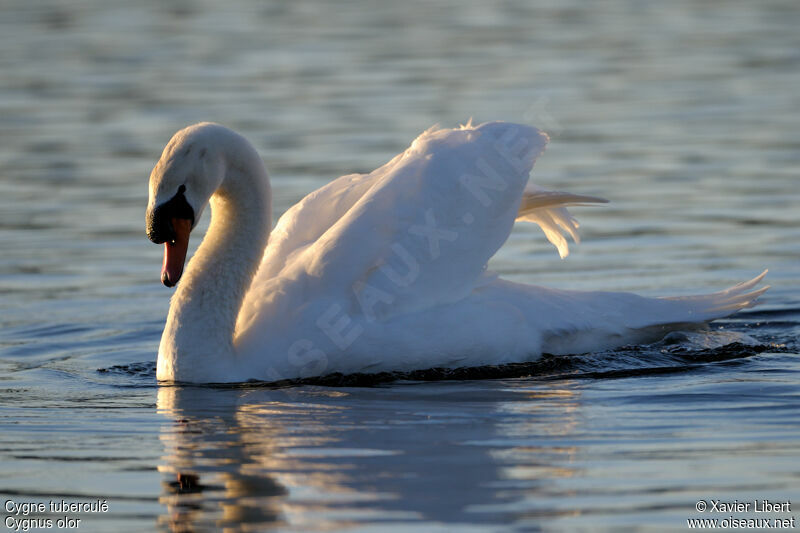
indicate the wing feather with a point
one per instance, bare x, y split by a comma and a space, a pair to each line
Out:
548, 209
423, 229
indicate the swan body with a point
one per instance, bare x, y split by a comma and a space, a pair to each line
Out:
381, 271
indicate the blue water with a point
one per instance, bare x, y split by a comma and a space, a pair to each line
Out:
684, 114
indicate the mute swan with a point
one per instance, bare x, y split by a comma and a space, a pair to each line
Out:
377, 272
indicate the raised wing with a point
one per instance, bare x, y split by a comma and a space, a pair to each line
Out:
308, 219
426, 223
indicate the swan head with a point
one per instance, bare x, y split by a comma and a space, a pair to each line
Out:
190, 169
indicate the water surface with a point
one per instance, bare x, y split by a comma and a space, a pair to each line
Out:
683, 114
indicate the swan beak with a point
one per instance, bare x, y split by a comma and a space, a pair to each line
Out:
175, 252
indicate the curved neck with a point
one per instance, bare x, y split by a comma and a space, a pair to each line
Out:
203, 311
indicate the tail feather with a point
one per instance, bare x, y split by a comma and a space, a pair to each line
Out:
723, 303
570, 322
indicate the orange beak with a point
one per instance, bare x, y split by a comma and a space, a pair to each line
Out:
175, 252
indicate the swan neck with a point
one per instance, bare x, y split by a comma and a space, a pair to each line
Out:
198, 337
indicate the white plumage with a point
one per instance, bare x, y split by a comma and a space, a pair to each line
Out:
381, 271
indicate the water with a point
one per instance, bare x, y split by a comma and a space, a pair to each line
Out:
683, 113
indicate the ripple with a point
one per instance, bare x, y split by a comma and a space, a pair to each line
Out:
660, 358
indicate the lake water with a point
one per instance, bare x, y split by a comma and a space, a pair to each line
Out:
684, 114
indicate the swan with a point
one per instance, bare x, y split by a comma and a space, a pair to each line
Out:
378, 272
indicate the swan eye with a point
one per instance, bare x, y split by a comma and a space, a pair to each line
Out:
159, 220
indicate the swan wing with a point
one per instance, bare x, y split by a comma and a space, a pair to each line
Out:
308, 219
548, 209
422, 231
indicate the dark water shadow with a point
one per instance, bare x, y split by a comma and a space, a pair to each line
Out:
667, 356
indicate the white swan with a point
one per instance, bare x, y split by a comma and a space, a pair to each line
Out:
377, 272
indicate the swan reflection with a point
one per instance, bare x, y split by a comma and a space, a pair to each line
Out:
315, 458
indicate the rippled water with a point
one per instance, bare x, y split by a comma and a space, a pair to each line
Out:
684, 114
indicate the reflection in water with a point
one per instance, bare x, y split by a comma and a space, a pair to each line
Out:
213, 481
314, 458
